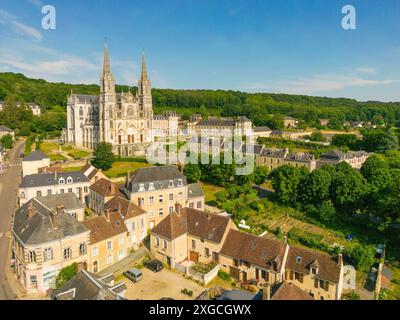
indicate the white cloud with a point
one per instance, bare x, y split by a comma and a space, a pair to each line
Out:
12, 22
24, 29
36, 3
317, 84
366, 70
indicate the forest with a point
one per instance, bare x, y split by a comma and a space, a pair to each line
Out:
261, 108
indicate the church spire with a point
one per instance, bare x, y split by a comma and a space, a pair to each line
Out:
144, 76
106, 64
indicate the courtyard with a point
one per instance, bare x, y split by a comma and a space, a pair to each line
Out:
163, 284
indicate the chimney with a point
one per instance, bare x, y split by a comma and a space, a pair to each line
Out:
81, 266
81, 194
178, 208
285, 239
180, 167
59, 209
340, 259
266, 294
31, 210
108, 213
53, 219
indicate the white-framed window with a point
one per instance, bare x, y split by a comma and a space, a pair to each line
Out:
141, 187
151, 186
67, 253
49, 192
171, 196
85, 189
121, 241
69, 180
180, 183
160, 198
82, 248
142, 223
180, 195
171, 209
70, 190
47, 254
61, 181
32, 256
151, 200
95, 251
160, 211
38, 193
151, 212
109, 245
109, 259
199, 204
171, 183
22, 195
133, 226
157, 241
141, 201
164, 244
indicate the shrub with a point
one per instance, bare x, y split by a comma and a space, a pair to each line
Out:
224, 275
187, 292
66, 274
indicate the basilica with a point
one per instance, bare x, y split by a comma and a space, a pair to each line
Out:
123, 119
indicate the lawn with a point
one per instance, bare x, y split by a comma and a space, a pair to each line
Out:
49, 147
75, 153
209, 191
119, 169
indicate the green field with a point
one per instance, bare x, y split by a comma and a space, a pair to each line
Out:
209, 191
119, 169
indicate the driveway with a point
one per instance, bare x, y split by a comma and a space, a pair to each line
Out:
165, 283
9, 182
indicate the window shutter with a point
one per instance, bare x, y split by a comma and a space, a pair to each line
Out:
316, 283
291, 275
301, 278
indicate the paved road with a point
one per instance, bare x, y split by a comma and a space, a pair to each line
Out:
9, 182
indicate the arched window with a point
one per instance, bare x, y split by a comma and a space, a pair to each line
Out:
80, 112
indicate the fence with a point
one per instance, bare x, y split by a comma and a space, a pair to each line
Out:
204, 278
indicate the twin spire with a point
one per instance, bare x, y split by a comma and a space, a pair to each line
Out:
107, 69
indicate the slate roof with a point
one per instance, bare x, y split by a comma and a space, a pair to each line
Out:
217, 122
256, 250
35, 156
51, 178
38, 227
252, 149
194, 190
195, 222
299, 156
102, 229
337, 155
301, 259
159, 176
82, 98
269, 152
87, 286
288, 291
69, 200
5, 129
126, 207
261, 129
241, 295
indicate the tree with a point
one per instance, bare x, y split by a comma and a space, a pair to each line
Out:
378, 140
363, 256
347, 188
316, 187
66, 274
317, 136
103, 156
260, 175
286, 181
345, 140
192, 172
7, 141
376, 171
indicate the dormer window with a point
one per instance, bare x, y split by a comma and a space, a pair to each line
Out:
170, 183
298, 259
61, 181
141, 187
69, 180
314, 270
151, 186
180, 183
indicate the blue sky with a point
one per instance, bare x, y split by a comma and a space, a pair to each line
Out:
291, 46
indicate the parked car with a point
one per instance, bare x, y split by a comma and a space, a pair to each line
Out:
134, 275
154, 265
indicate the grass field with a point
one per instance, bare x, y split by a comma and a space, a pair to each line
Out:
209, 191
68, 169
119, 169
53, 151
75, 153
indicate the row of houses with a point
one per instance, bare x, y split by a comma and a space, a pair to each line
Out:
189, 236
35, 108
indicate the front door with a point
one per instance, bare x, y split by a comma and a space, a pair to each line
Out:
234, 272
215, 257
244, 276
194, 256
95, 267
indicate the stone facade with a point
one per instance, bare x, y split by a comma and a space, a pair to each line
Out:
122, 119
